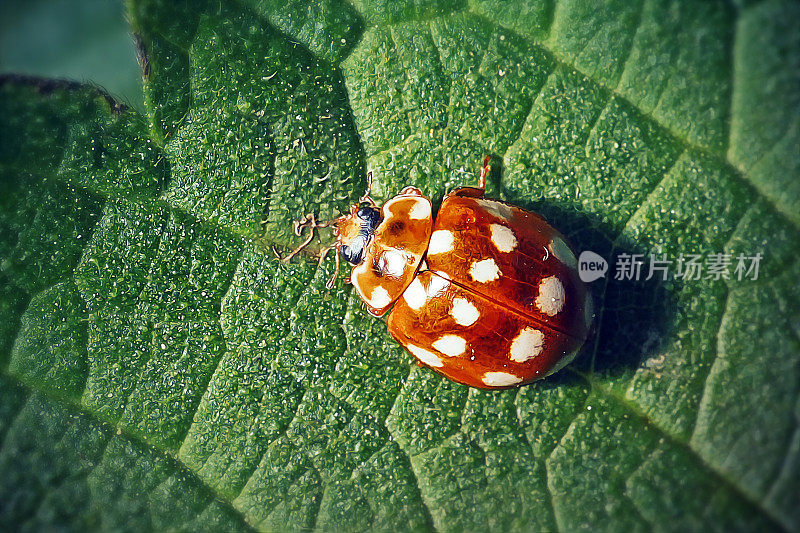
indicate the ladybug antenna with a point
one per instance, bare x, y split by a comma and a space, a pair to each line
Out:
367, 197
485, 172
299, 225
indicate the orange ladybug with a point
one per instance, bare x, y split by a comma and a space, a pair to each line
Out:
486, 294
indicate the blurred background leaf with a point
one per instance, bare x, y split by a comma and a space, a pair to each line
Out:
82, 40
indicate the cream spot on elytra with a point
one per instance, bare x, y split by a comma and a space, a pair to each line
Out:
441, 242
500, 379
484, 271
451, 345
561, 250
380, 298
464, 313
429, 358
437, 285
503, 238
421, 209
414, 295
393, 263
528, 344
550, 300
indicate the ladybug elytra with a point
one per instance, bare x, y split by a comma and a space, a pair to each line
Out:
486, 294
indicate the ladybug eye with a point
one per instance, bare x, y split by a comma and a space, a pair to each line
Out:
351, 256
370, 215
353, 253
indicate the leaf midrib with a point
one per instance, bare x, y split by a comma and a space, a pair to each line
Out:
721, 157
115, 430
673, 439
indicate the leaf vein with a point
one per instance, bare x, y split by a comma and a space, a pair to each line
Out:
686, 447
548, 475
632, 46
425, 505
133, 437
435, 39
529, 105
721, 157
784, 471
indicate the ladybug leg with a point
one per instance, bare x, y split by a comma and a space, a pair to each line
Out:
485, 169
309, 222
322, 254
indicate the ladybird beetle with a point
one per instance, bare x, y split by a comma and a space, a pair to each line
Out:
485, 293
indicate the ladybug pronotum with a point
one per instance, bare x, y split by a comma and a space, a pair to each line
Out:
486, 294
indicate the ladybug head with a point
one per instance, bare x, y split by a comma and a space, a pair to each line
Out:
354, 231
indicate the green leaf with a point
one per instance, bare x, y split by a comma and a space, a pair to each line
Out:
161, 369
